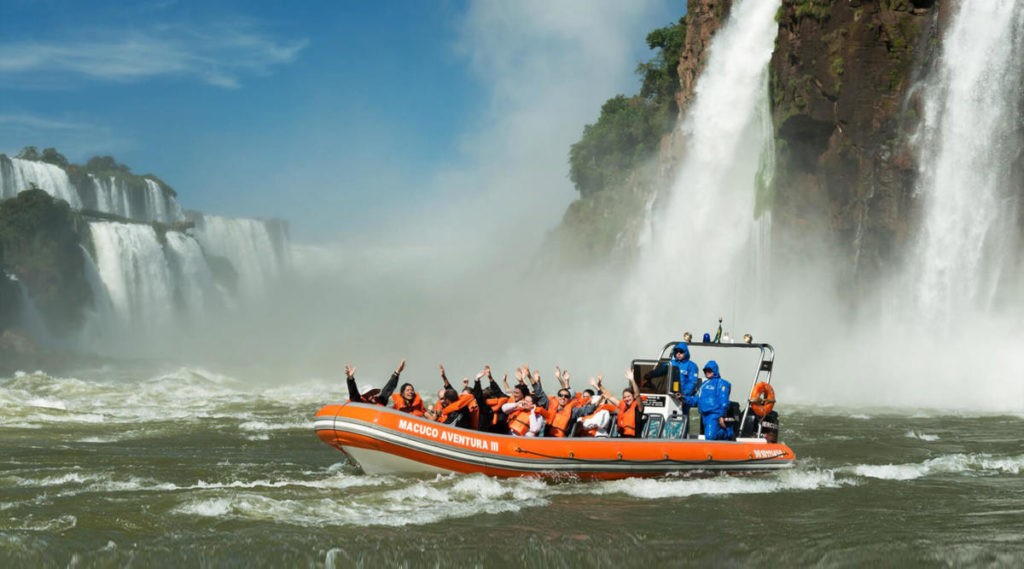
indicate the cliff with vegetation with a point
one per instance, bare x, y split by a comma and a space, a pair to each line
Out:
40, 243
840, 77
633, 148
840, 80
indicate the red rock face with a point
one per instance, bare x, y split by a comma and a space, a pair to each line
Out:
839, 80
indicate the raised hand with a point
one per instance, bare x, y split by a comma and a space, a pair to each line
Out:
349, 371
401, 366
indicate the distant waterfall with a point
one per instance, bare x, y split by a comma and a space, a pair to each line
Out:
17, 175
247, 243
135, 272
969, 140
144, 200
704, 233
112, 195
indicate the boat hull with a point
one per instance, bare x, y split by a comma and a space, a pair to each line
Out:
385, 441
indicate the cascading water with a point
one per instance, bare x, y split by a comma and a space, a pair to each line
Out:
705, 229
135, 272
968, 142
112, 195
17, 175
246, 243
191, 273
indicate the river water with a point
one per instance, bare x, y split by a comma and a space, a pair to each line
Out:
188, 467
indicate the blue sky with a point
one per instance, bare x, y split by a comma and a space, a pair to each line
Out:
332, 115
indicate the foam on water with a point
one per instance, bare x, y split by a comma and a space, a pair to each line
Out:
921, 436
414, 502
38, 398
39, 524
658, 488
973, 464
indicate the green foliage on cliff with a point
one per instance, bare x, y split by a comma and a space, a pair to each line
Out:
49, 155
629, 128
817, 9
40, 244
609, 165
626, 133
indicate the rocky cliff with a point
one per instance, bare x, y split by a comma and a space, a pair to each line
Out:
840, 77
40, 239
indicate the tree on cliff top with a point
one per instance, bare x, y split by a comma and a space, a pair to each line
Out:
629, 128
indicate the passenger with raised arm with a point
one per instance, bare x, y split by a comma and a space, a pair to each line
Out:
713, 403
369, 394
523, 417
494, 398
630, 408
595, 415
560, 417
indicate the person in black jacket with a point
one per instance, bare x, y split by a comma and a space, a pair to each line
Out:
369, 394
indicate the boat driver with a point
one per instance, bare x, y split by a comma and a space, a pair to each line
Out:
684, 377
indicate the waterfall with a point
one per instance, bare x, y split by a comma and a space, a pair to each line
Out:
704, 231
136, 274
17, 175
113, 195
246, 243
192, 274
969, 139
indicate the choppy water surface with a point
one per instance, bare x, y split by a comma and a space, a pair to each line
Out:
195, 468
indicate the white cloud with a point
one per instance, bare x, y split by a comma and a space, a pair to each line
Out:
218, 56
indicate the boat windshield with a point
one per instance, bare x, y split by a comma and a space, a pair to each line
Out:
738, 362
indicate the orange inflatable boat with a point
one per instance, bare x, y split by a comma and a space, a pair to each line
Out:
384, 440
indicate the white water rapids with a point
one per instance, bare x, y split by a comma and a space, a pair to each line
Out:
968, 142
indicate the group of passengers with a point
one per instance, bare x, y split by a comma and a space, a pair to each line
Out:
524, 409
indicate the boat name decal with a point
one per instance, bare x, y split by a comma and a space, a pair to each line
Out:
447, 436
762, 453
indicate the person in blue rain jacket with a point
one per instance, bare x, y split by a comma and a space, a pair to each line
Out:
713, 403
684, 378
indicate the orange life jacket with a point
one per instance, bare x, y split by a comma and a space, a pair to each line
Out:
558, 419
465, 401
593, 430
495, 405
519, 422
416, 407
627, 419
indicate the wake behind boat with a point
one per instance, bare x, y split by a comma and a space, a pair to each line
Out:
384, 440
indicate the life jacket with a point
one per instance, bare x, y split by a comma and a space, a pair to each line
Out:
519, 422
416, 407
495, 404
558, 419
593, 431
465, 401
627, 419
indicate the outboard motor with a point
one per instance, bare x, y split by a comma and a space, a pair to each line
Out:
732, 418
749, 428
770, 427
